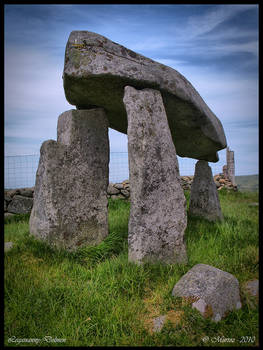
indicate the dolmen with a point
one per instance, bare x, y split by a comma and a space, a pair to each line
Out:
162, 115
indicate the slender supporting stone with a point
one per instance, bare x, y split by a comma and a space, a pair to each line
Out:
70, 200
204, 200
158, 206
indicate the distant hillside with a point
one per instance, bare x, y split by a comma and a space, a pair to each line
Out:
247, 182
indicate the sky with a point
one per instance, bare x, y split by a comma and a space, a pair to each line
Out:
214, 46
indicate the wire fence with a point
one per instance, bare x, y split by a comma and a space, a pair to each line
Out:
20, 170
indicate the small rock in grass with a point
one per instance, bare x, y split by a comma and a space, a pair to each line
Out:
8, 246
9, 215
252, 287
158, 323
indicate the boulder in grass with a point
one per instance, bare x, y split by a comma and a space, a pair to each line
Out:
251, 293
252, 287
158, 323
211, 291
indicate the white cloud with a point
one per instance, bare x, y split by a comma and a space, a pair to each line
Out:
202, 24
33, 81
231, 33
176, 64
34, 96
249, 47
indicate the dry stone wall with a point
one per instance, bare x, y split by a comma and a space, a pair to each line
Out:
20, 201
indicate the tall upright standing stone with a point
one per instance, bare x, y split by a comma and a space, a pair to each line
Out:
225, 173
158, 206
230, 165
70, 200
204, 200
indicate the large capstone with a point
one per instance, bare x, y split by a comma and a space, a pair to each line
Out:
158, 206
204, 200
211, 291
96, 71
70, 199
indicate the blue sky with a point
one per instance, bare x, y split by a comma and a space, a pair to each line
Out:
214, 46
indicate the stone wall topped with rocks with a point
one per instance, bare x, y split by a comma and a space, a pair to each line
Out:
221, 181
119, 190
20, 201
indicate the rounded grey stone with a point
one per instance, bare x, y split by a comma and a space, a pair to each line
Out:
26, 192
8, 246
219, 290
252, 287
125, 193
217, 318
118, 186
112, 190
158, 323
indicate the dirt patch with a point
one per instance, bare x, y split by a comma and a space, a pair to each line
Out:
153, 304
175, 317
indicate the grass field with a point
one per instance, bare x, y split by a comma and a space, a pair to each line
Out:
95, 297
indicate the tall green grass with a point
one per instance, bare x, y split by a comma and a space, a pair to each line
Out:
95, 297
